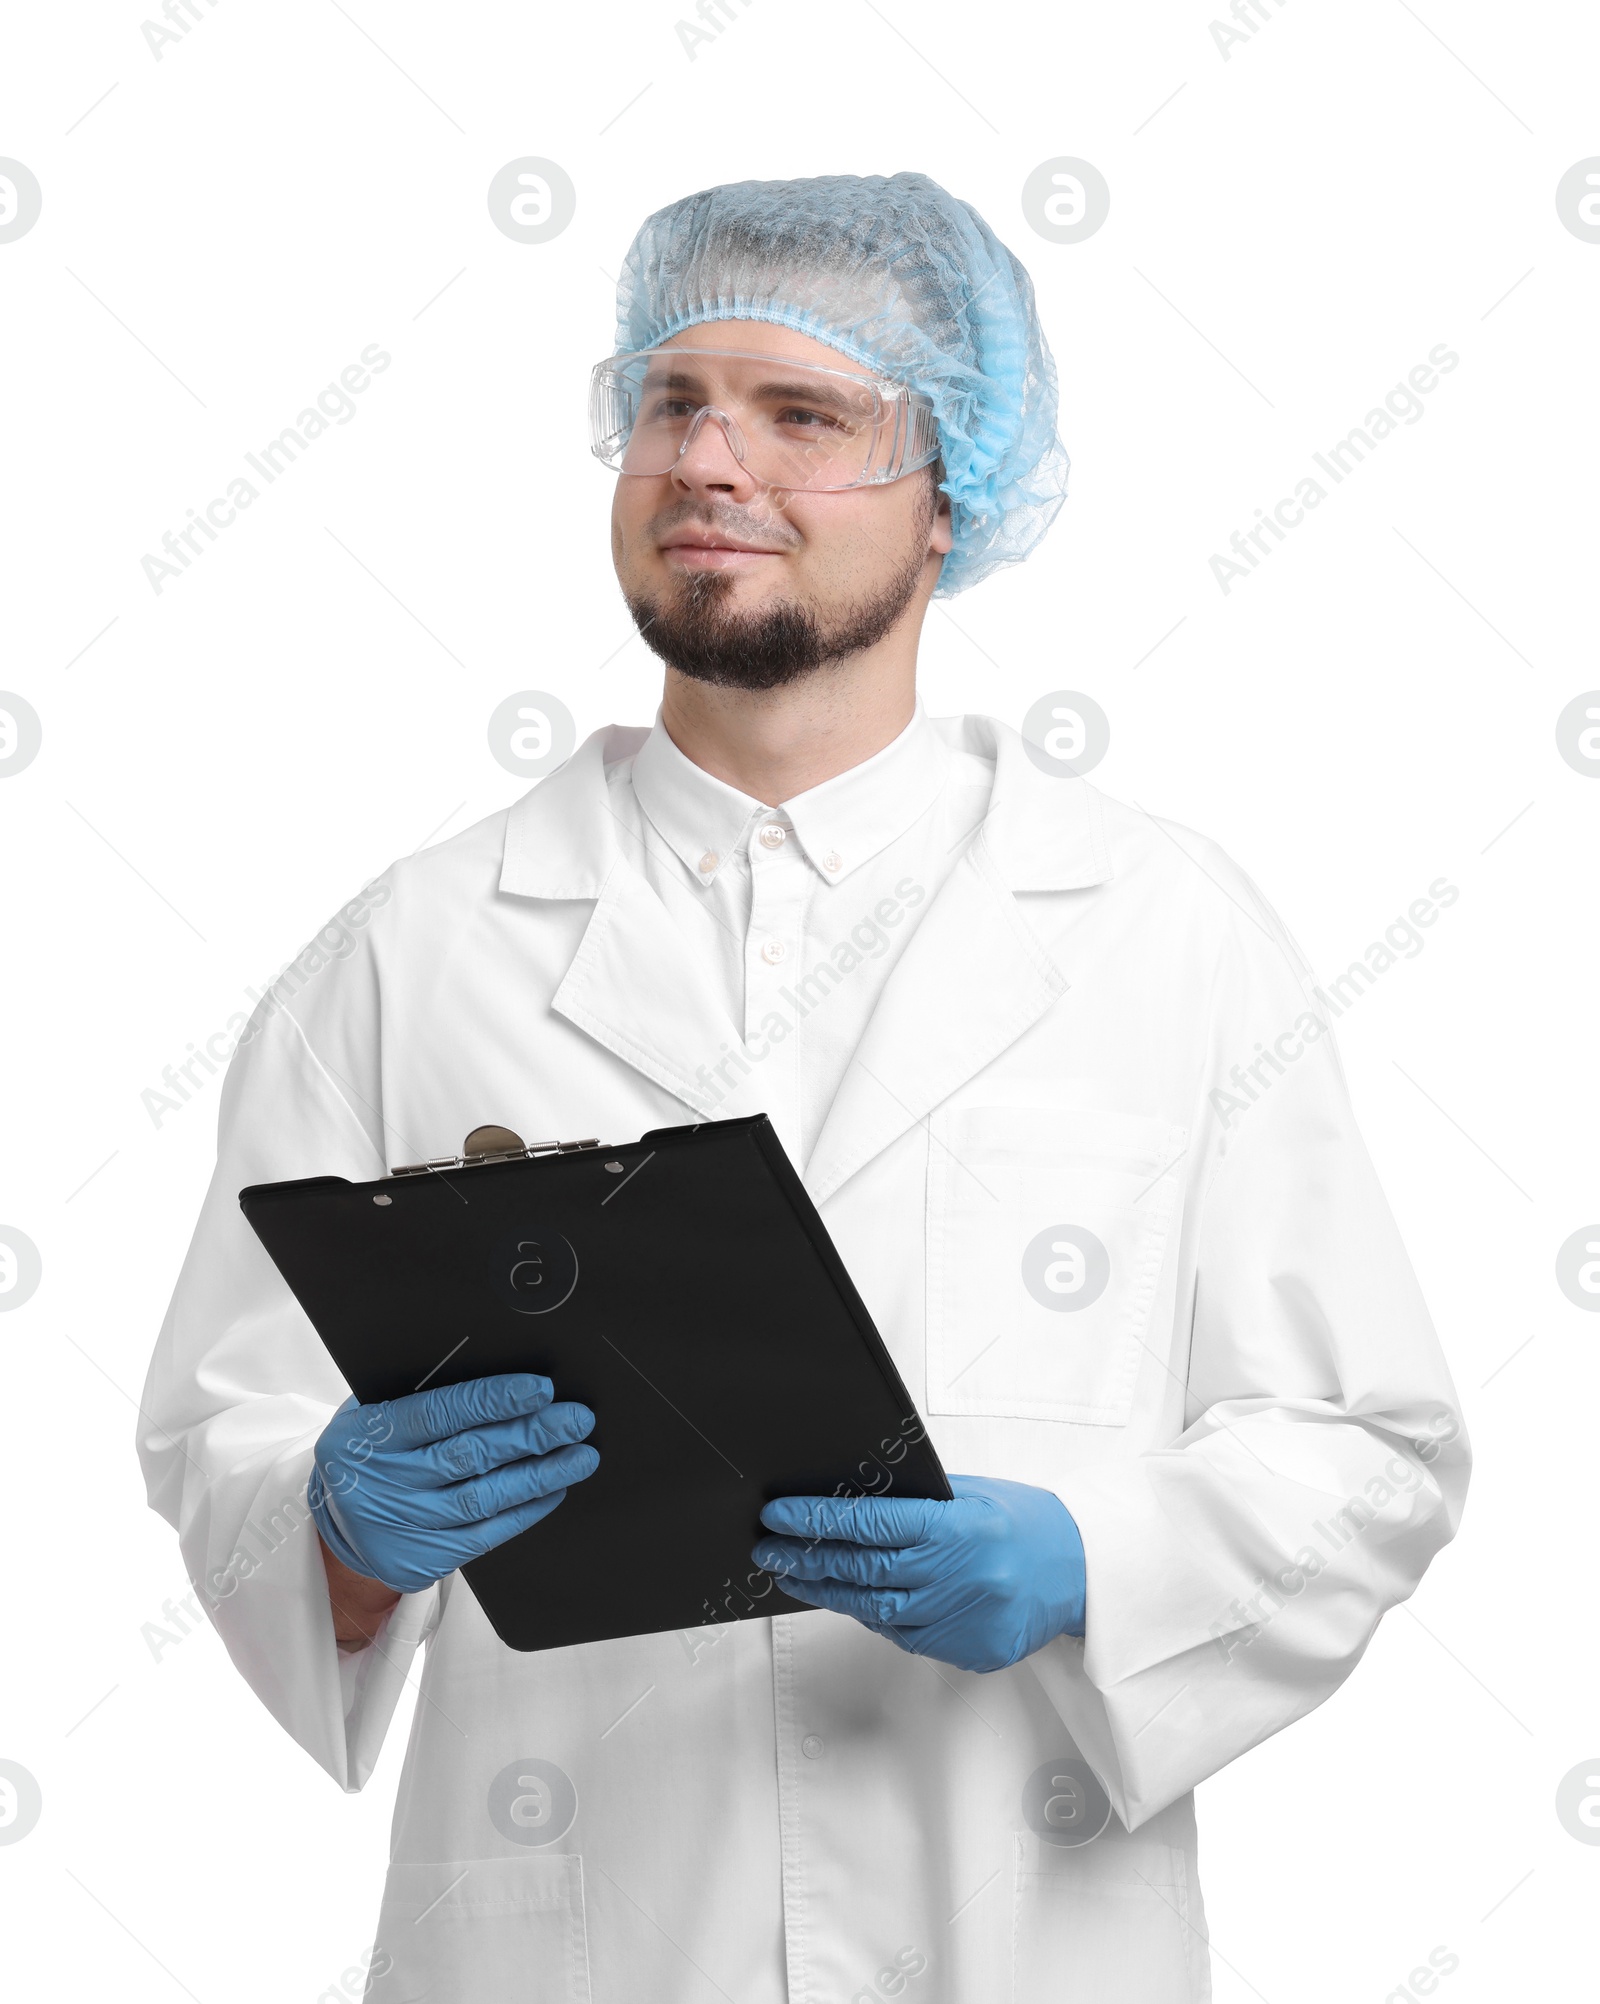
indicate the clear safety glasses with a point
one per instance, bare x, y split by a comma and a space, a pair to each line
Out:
789, 424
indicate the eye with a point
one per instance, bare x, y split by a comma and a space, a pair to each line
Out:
667, 407
800, 417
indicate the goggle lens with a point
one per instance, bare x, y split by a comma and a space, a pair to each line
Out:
790, 425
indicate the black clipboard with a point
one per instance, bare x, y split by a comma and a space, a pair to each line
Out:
684, 1287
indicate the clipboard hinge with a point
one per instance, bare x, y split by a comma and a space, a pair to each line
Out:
492, 1144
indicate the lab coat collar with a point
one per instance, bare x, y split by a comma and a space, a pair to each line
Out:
1042, 832
562, 839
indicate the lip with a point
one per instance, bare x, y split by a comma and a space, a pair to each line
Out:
714, 553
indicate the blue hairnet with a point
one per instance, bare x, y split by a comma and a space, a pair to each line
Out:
905, 280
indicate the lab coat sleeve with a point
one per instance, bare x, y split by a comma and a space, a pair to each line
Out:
1237, 1571
238, 1391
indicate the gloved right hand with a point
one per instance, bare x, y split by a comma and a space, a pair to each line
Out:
407, 1490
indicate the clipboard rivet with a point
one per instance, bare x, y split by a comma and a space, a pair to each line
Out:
615, 1168
383, 1200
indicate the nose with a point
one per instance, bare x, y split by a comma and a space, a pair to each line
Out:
708, 463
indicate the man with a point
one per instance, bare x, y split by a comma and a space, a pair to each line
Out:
1055, 1077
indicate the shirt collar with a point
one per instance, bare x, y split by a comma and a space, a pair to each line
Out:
841, 824
702, 819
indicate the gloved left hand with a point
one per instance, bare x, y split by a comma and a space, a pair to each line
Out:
980, 1582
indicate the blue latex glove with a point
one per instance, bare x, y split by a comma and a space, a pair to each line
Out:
406, 1491
980, 1582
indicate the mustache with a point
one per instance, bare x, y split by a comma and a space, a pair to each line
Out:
750, 524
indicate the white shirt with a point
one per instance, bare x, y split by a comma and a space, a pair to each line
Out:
799, 912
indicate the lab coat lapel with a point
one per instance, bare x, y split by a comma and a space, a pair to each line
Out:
633, 985
971, 980
975, 974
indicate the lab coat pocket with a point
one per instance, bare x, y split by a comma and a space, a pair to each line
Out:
1047, 1230
511, 1929
1107, 1923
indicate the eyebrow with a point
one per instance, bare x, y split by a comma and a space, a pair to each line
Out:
807, 392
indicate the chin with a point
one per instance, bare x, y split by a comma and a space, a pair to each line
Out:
718, 587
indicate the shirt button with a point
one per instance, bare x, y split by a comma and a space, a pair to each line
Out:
812, 1747
772, 951
708, 862
772, 836
833, 861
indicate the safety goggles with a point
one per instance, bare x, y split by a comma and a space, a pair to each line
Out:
789, 424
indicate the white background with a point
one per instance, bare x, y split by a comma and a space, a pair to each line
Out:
224, 763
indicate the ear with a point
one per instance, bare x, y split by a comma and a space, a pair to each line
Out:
941, 531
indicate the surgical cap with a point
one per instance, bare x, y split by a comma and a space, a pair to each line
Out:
906, 281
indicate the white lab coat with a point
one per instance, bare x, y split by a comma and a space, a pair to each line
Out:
1252, 1425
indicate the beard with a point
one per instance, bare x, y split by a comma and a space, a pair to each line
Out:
694, 627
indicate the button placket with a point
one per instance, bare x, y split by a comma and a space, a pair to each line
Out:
779, 888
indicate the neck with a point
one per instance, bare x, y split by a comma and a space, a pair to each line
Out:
775, 743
